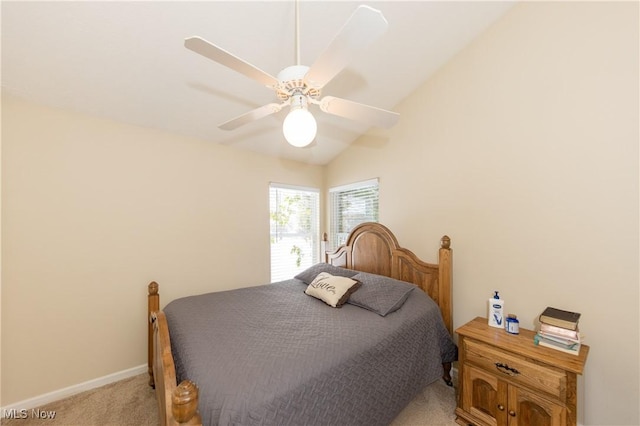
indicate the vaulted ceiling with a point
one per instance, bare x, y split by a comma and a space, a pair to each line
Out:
126, 61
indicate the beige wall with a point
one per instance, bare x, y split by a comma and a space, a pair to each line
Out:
524, 149
92, 211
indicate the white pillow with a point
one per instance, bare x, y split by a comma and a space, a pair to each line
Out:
331, 289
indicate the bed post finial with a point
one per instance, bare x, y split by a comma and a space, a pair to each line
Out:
445, 242
153, 288
184, 402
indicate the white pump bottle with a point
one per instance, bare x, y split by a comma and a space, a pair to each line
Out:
496, 311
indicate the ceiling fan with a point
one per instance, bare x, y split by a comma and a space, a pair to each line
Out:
299, 86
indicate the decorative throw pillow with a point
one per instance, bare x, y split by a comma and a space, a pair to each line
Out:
312, 272
332, 290
380, 294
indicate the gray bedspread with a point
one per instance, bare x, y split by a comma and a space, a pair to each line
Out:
272, 355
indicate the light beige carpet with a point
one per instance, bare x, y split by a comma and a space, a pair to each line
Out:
132, 402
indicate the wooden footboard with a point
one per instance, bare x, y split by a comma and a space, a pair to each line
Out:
177, 404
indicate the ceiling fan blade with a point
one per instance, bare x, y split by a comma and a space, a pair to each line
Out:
252, 115
363, 27
359, 112
221, 56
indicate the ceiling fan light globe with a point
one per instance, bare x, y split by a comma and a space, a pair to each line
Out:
299, 127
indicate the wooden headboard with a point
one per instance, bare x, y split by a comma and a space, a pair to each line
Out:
372, 247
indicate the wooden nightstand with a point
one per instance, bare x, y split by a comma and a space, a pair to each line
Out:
505, 379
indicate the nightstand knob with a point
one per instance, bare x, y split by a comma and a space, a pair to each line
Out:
500, 407
512, 413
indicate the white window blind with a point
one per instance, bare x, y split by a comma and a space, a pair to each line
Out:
294, 217
350, 206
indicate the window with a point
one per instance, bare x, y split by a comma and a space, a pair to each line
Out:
294, 216
350, 206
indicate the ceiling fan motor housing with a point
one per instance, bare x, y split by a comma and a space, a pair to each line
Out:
291, 81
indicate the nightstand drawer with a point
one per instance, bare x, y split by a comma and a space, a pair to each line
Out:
545, 378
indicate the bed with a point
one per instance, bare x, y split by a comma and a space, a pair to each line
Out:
273, 355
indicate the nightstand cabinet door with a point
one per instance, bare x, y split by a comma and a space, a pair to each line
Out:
528, 409
493, 402
484, 396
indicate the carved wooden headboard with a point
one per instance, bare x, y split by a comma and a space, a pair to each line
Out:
372, 247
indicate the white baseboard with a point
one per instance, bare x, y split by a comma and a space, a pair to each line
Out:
59, 394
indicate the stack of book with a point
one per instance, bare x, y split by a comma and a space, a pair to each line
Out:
559, 330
